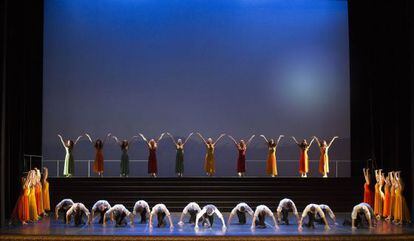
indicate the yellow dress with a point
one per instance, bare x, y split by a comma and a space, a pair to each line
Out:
46, 198
324, 160
401, 212
33, 216
271, 166
209, 165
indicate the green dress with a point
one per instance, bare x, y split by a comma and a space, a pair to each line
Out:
124, 162
179, 160
69, 166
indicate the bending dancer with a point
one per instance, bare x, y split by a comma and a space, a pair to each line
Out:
207, 218
368, 193
152, 157
45, 190
311, 210
161, 211
77, 211
260, 215
285, 206
241, 160
304, 158
324, 159
118, 213
62, 207
209, 165
98, 164
179, 157
241, 209
193, 209
141, 207
327, 211
69, 167
271, 165
362, 214
101, 207
124, 144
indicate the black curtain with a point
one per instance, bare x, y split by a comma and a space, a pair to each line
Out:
21, 93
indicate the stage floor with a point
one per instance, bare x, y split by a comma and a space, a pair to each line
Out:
49, 226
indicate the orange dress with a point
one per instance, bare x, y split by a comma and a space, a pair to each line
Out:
21, 210
324, 160
98, 164
304, 160
401, 212
271, 166
392, 200
33, 215
46, 197
368, 195
386, 208
376, 199
39, 199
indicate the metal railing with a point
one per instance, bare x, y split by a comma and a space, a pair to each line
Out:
30, 158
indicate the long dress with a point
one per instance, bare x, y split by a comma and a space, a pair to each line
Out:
124, 162
368, 195
392, 200
179, 159
401, 212
98, 164
46, 196
21, 209
33, 215
209, 164
377, 198
152, 160
386, 208
241, 160
271, 166
304, 160
39, 199
381, 200
324, 160
69, 166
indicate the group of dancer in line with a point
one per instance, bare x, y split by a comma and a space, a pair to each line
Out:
386, 196
209, 164
33, 202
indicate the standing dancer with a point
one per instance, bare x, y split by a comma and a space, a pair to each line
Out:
69, 166
241, 160
152, 157
101, 207
285, 206
124, 167
324, 159
33, 214
193, 209
98, 164
240, 210
392, 195
45, 190
386, 209
38, 193
271, 165
21, 209
179, 157
209, 164
401, 211
377, 199
260, 215
304, 158
368, 193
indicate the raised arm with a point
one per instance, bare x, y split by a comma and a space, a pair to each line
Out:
250, 140
89, 137
143, 137
221, 136
161, 136
264, 137
296, 141
61, 140
172, 138
116, 140
202, 138
77, 139
234, 140
310, 144
317, 140
333, 139
188, 137
106, 138
278, 139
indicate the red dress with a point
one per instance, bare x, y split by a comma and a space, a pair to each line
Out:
98, 164
152, 160
368, 195
304, 160
241, 160
21, 210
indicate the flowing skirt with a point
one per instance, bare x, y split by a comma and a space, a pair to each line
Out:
152, 162
98, 164
368, 195
39, 199
209, 164
303, 163
21, 210
46, 197
241, 163
179, 161
33, 215
69, 166
324, 164
271, 166
124, 164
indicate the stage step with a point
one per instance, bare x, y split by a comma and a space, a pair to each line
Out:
224, 192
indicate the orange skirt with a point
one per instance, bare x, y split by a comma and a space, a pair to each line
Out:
271, 166
46, 197
303, 162
387, 201
21, 210
39, 199
324, 164
368, 195
98, 164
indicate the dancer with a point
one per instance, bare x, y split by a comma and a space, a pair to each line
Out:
161, 211
361, 214
207, 218
152, 157
101, 206
21, 209
193, 209
386, 210
401, 212
368, 193
141, 207
78, 210
98, 164
324, 159
311, 210
124, 144
209, 164
285, 206
33, 214
327, 211
62, 207
69, 167
241, 160
240, 210
45, 190
179, 157
118, 213
304, 158
38, 193
260, 215
392, 196
377, 197
271, 165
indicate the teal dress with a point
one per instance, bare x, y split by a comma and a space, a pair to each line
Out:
179, 160
69, 167
124, 162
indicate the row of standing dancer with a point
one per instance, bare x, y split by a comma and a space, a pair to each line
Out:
209, 164
386, 196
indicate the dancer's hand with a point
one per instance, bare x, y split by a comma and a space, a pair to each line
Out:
327, 227
181, 223
300, 228
171, 227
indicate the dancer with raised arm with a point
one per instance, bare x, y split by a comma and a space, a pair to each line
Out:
386, 209
101, 207
161, 211
368, 193
241, 160
401, 211
324, 159
152, 156
33, 213
45, 190
378, 197
21, 209
207, 216
141, 207
62, 207
179, 157
69, 166
209, 164
259, 217
118, 213
240, 210
38, 193
78, 210
124, 144
393, 184
98, 164
193, 209
311, 210
285, 206
304, 158
271, 164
